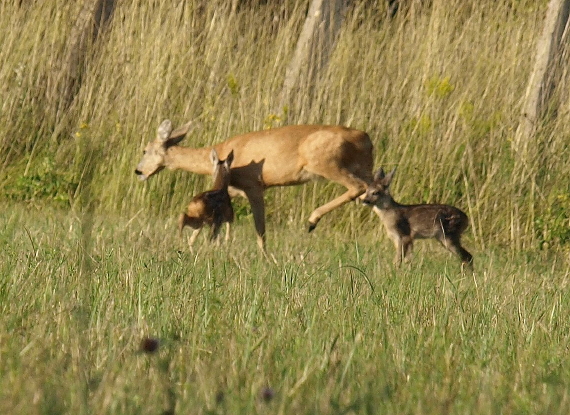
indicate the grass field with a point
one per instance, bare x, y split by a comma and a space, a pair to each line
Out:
92, 272
329, 327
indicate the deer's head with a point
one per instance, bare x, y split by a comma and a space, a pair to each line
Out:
378, 192
154, 154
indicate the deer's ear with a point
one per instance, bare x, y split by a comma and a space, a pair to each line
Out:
180, 132
214, 157
164, 130
379, 174
177, 135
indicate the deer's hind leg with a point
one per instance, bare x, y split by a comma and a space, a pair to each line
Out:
355, 187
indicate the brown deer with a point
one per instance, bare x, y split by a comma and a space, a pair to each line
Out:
213, 207
404, 223
282, 156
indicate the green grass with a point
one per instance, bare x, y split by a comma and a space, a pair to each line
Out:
329, 327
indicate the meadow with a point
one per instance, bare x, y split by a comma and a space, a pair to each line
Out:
330, 327
92, 272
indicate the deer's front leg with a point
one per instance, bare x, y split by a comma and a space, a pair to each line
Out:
255, 197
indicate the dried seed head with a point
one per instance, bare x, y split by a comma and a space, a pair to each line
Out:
267, 394
149, 344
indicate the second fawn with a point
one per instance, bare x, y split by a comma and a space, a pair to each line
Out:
213, 207
404, 223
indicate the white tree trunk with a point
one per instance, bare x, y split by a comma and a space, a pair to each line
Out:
539, 86
314, 45
93, 16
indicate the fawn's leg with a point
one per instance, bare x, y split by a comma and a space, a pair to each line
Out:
453, 244
193, 237
215, 231
228, 226
407, 244
399, 251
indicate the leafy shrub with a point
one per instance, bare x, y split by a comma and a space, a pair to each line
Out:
46, 183
553, 227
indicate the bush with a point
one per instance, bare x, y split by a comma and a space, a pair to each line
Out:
45, 184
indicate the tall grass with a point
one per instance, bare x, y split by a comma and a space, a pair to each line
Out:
330, 327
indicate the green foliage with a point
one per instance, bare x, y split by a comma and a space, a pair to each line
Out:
439, 87
478, 124
553, 226
233, 85
45, 183
276, 120
421, 126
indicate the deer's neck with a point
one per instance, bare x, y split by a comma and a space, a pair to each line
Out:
194, 160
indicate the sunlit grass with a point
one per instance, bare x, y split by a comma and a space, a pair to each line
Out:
329, 326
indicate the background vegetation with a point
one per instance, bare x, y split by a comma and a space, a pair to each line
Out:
438, 87
90, 265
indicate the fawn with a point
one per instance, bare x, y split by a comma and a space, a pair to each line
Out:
404, 223
212, 207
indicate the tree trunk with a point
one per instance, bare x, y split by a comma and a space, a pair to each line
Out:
314, 45
92, 18
540, 84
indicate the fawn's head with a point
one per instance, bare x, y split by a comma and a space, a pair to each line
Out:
154, 153
221, 169
378, 192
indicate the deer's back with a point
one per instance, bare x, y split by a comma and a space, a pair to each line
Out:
279, 156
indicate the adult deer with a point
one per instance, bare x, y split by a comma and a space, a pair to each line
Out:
405, 223
282, 156
213, 207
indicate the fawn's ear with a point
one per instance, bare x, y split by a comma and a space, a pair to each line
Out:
214, 157
379, 174
230, 159
390, 176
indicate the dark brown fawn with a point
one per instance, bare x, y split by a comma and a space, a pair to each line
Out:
213, 207
404, 223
